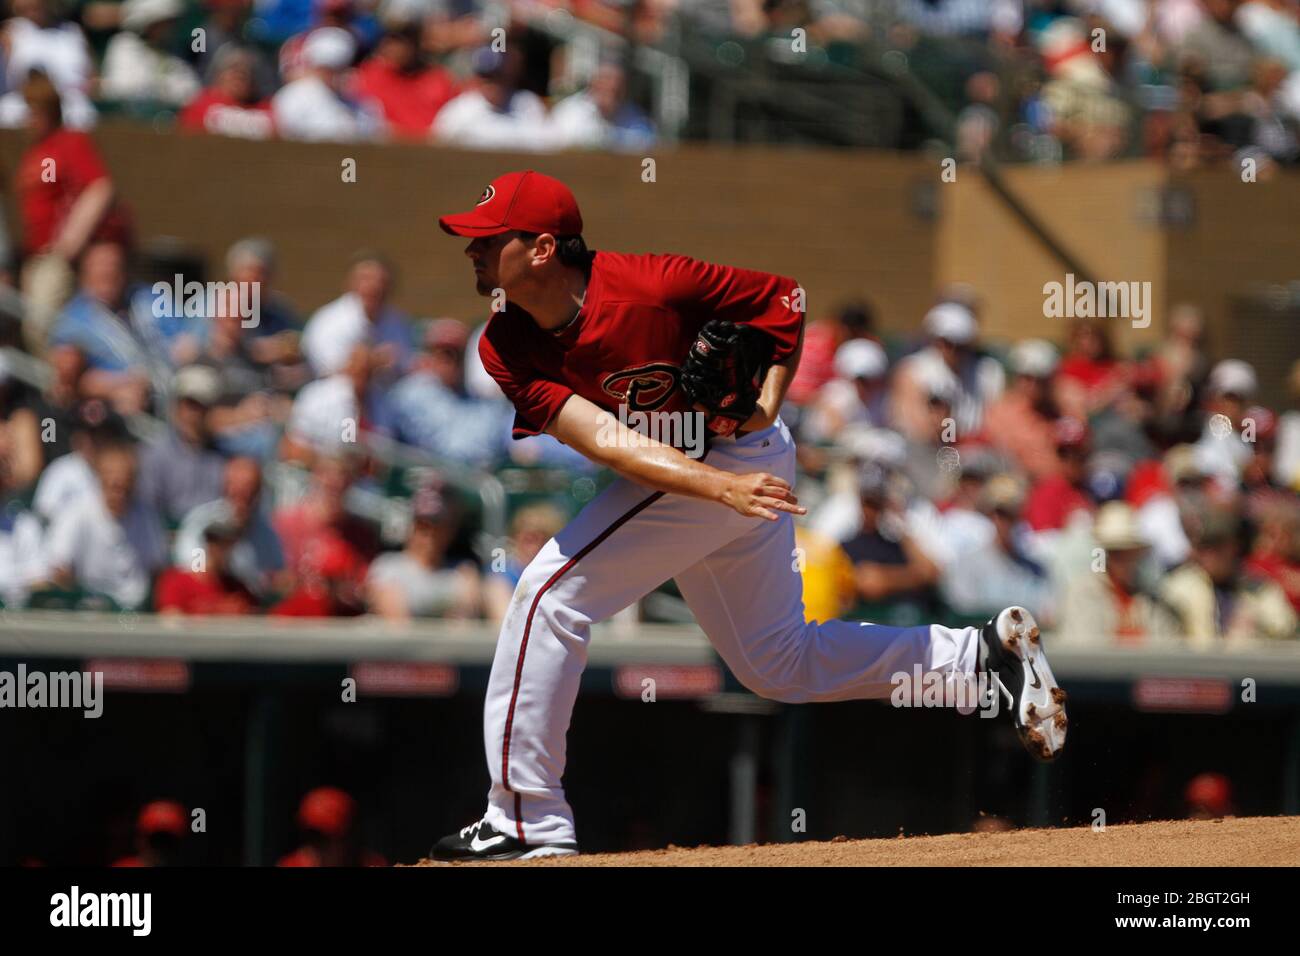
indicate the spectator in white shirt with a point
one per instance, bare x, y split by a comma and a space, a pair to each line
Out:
362, 314
35, 38
315, 106
494, 113
108, 543
137, 65
601, 117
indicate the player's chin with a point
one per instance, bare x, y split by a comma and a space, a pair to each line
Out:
483, 285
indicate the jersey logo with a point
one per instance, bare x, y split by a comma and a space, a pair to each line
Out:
644, 388
488, 193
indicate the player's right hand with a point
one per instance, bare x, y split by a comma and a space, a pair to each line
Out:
760, 495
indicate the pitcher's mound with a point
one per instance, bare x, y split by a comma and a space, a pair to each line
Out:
1234, 841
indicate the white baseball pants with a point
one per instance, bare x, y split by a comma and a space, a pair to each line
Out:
737, 575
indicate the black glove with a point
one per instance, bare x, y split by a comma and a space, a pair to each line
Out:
723, 372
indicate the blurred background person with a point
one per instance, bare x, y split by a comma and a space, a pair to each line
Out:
410, 91
530, 528
327, 817
181, 468
138, 64
1112, 602
317, 106
494, 112
420, 580
364, 313
108, 543
1216, 602
256, 557
160, 832
207, 585
231, 104
601, 116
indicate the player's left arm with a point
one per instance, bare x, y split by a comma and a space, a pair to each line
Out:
775, 386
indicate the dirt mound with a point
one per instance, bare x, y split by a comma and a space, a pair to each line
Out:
1240, 841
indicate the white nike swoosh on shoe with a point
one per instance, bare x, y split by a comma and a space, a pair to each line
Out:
478, 846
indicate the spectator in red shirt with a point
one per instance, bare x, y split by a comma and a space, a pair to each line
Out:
410, 92
230, 106
821, 340
327, 816
208, 586
1056, 497
1276, 551
1090, 376
66, 201
324, 544
159, 830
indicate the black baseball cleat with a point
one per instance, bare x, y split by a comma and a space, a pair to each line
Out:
1011, 653
482, 841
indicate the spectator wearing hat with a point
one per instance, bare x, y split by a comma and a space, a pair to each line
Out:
317, 106
1223, 450
1215, 600
1053, 500
137, 64
160, 830
182, 469
930, 461
328, 818
410, 91
1160, 492
1087, 107
256, 557
856, 394
109, 542
249, 411
893, 576
231, 104
433, 411
494, 113
602, 117
953, 349
419, 581
60, 215
364, 313
323, 14
1112, 604
207, 585
988, 577
1021, 422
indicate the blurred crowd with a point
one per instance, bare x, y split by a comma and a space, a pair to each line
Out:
313, 463
1125, 498
1144, 500
1190, 81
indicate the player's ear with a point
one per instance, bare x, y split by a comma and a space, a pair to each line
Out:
545, 248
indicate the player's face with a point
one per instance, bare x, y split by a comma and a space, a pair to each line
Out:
500, 262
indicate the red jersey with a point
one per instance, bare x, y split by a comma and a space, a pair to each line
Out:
191, 592
214, 112
410, 100
52, 173
638, 320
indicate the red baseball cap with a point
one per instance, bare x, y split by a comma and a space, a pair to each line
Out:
327, 810
161, 816
527, 201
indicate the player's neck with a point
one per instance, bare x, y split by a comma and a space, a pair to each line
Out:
555, 305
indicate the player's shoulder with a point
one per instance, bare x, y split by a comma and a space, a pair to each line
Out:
638, 276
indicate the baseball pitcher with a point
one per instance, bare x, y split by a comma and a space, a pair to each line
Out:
583, 333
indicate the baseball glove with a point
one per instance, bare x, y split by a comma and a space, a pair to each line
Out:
723, 372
